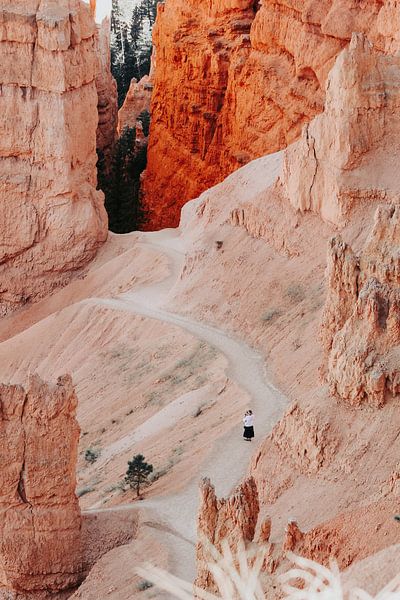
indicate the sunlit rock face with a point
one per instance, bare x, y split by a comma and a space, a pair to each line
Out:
40, 521
238, 79
53, 218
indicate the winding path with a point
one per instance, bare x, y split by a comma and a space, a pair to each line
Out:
175, 516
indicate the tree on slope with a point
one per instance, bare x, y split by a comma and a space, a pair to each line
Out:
138, 473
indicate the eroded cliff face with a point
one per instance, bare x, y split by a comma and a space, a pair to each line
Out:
346, 155
40, 521
53, 219
361, 321
266, 68
106, 86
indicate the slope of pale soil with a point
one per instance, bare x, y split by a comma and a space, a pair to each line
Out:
265, 284
152, 382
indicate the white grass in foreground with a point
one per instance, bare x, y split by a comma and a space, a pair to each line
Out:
238, 578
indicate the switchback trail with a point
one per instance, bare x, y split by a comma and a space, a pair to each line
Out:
229, 457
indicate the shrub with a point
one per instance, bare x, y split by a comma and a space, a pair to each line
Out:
295, 293
144, 585
91, 455
270, 315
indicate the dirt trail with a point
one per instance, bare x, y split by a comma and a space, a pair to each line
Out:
229, 457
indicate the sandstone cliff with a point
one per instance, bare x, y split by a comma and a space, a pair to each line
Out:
40, 522
266, 68
53, 219
361, 321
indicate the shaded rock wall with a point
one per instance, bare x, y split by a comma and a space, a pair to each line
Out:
53, 219
266, 68
361, 320
137, 100
40, 522
106, 85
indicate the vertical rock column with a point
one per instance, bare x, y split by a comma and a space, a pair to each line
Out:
233, 519
52, 217
40, 521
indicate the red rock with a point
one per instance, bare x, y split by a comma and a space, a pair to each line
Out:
266, 70
40, 521
232, 520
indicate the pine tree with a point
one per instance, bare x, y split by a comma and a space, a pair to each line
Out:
138, 473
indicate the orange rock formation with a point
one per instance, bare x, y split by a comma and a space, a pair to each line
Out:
137, 100
233, 520
361, 322
40, 522
266, 68
53, 219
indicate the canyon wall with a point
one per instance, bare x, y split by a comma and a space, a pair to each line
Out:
53, 218
266, 66
40, 522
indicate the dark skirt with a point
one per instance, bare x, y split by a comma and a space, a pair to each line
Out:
248, 432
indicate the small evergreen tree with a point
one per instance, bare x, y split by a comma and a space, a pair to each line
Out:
138, 473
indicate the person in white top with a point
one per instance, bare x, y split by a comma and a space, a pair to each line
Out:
248, 422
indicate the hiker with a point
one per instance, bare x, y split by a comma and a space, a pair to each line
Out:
248, 422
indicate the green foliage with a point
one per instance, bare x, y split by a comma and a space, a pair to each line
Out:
121, 183
138, 473
144, 118
131, 45
91, 455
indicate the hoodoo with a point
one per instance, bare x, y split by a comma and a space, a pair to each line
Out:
53, 218
40, 520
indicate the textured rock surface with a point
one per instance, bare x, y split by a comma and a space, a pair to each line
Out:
137, 100
40, 522
53, 219
106, 85
266, 69
233, 520
328, 170
361, 321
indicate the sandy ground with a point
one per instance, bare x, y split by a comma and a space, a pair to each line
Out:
111, 338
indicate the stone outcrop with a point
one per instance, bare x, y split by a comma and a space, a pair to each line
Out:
232, 520
40, 522
361, 320
137, 100
328, 171
107, 105
304, 439
266, 64
53, 218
